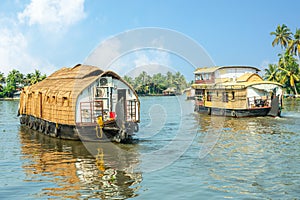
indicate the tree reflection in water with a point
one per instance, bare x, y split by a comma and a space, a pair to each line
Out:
66, 169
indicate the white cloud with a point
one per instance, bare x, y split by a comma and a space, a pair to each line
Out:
104, 54
17, 44
14, 54
152, 57
150, 61
53, 14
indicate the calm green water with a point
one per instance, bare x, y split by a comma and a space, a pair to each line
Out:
179, 155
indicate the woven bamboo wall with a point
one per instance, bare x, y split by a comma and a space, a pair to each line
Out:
54, 99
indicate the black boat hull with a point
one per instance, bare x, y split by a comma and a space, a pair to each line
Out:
91, 132
262, 111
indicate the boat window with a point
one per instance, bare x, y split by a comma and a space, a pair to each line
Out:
208, 96
53, 99
65, 101
199, 92
198, 77
225, 96
208, 76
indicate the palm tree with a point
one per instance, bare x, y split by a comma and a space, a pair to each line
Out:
36, 77
179, 81
14, 78
140, 83
145, 80
27, 79
290, 70
292, 78
272, 73
282, 36
128, 79
159, 83
145, 77
2, 77
169, 78
2, 80
294, 46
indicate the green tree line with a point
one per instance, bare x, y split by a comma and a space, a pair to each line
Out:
144, 84
286, 71
16, 80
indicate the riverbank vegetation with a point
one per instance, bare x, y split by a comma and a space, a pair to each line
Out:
144, 84
15, 80
286, 71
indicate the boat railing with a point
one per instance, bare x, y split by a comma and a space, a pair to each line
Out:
259, 101
131, 110
199, 100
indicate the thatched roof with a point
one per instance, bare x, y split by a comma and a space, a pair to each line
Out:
68, 80
54, 98
170, 89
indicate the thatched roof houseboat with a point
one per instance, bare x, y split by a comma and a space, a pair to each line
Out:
83, 102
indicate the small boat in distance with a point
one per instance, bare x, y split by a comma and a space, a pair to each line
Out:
82, 102
236, 91
171, 91
190, 93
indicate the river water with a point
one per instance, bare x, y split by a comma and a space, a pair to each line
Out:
177, 154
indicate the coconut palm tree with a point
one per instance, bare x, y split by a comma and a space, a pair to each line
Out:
179, 81
294, 45
128, 79
14, 78
27, 79
292, 77
159, 83
141, 83
282, 36
289, 71
272, 73
145, 77
170, 78
2, 77
36, 77
2, 80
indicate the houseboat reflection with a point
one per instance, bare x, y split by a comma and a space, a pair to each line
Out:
73, 172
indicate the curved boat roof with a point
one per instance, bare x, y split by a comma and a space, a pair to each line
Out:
215, 68
73, 80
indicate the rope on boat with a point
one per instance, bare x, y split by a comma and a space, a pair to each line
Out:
99, 133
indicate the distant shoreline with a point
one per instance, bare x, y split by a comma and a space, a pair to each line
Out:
9, 99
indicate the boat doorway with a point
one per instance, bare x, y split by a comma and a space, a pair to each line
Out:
275, 108
122, 103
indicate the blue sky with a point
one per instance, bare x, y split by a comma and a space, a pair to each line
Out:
48, 35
